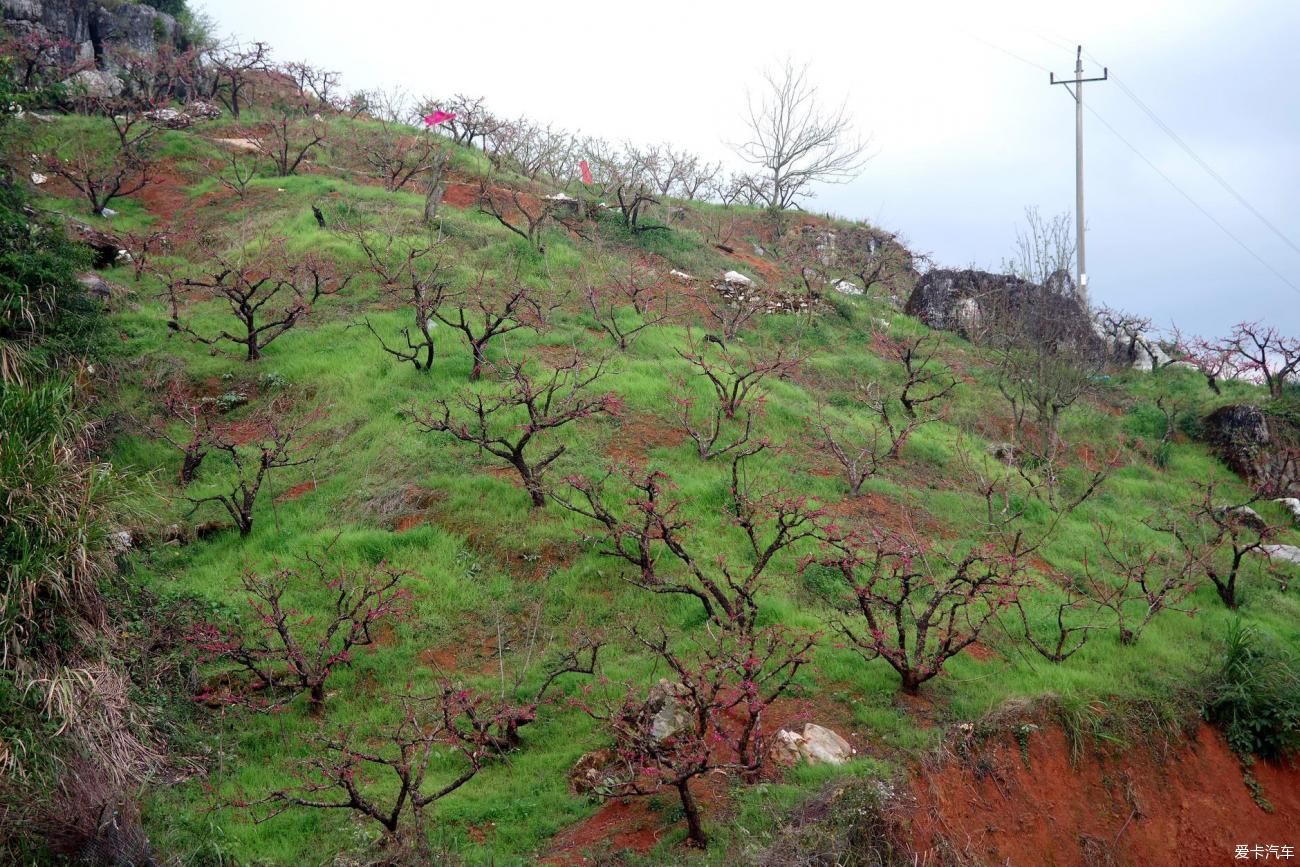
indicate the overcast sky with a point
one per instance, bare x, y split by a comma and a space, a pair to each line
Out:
964, 134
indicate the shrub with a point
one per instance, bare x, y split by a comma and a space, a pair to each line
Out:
1255, 697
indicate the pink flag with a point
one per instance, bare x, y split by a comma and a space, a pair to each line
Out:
438, 116
585, 168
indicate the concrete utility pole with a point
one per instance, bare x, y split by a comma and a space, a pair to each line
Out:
1081, 276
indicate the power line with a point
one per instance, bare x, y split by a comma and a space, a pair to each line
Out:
1203, 164
1226, 231
1240, 243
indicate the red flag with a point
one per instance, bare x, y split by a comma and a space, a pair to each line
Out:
438, 116
585, 168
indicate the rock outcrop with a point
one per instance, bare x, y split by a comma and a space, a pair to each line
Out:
816, 745
88, 31
972, 303
1260, 447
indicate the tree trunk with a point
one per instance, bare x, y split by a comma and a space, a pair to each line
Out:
479, 360
437, 186
190, 465
694, 830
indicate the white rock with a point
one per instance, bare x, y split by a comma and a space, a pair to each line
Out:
823, 746
1292, 505
107, 212
559, 197
847, 287
1282, 553
681, 275
815, 745
38, 178
736, 278
120, 541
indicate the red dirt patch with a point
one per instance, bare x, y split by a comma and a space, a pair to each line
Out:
637, 433
246, 431
297, 491
770, 272
410, 522
884, 513
1191, 808
460, 195
620, 826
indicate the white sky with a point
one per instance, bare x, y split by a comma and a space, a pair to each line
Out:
965, 135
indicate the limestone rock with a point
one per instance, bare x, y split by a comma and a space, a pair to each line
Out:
94, 83
1255, 445
96, 286
1292, 505
847, 287
169, 118
596, 770
664, 702
816, 745
1282, 553
1246, 516
966, 302
735, 278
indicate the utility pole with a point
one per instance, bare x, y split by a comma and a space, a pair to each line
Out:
1081, 275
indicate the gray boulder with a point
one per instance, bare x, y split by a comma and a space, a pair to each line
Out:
664, 702
1292, 505
1256, 445
96, 286
1282, 553
94, 83
972, 302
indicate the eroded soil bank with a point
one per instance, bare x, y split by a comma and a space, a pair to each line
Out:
1020, 801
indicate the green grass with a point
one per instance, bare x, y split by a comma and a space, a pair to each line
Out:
474, 559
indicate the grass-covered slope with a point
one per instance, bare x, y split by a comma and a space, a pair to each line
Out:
484, 562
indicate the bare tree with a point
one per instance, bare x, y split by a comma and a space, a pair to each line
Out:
438, 745
722, 690
1218, 538
288, 653
918, 607
507, 422
238, 172
234, 67
266, 296
631, 299
412, 273
490, 309
471, 121
707, 428
1150, 580
316, 87
395, 153
524, 215
730, 308
290, 140
1259, 352
278, 445
101, 177
794, 141
195, 418
1045, 248
737, 378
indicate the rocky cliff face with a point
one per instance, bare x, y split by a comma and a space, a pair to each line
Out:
88, 31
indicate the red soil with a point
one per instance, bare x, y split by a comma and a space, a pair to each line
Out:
629, 825
460, 195
410, 522
637, 434
881, 512
1191, 808
297, 491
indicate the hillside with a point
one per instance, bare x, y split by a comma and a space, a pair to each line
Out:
744, 573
